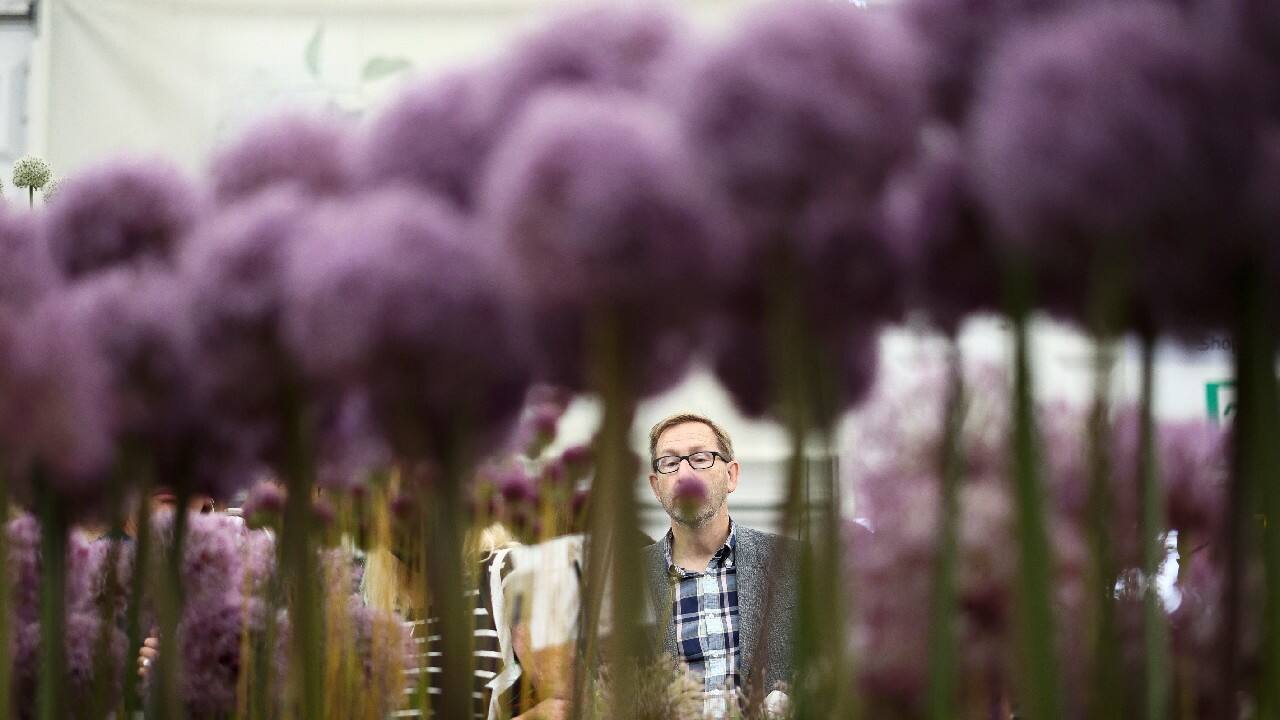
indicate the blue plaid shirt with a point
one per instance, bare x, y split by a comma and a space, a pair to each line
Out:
704, 610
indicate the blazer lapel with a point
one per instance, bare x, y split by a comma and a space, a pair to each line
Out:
750, 581
660, 596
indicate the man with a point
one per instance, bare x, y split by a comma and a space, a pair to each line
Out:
709, 577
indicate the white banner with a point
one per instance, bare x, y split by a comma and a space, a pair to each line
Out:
173, 77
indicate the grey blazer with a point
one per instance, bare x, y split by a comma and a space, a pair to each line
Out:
760, 640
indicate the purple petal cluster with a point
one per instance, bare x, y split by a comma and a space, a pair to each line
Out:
124, 212
596, 198
957, 37
930, 212
807, 98
312, 152
416, 312
1115, 140
58, 406
234, 268
27, 272
435, 136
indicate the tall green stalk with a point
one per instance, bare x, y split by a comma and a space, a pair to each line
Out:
137, 589
445, 574
1103, 701
1039, 693
1254, 488
169, 667
944, 676
306, 669
613, 550
54, 527
1151, 529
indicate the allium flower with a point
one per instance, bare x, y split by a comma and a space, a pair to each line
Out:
807, 98
212, 632
26, 269
350, 447
930, 212
58, 411
689, 495
83, 631
628, 48
596, 198
309, 151
417, 313
957, 37
265, 503
435, 136
123, 212
51, 189
31, 172
234, 268
1116, 138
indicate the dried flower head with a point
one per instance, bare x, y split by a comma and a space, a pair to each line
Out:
31, 172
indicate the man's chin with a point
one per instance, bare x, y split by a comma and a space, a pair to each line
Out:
692, 520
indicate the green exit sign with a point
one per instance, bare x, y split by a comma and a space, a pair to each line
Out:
1220, 400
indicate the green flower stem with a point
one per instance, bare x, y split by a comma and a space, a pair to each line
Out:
104, 668
138, 588
613, 555
52, 698
1104, 696
169, 667
1253, 490
306, 678
944, 678
1151, 529
1039, 694
804, 385
442, 542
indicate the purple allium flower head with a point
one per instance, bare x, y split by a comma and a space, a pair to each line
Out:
807, 97
1116, 138
83, 633
516, 487
633, 49
212, 631
57, 404
417, 313
125, 212
957, 36
349, 447
27, 272
929, 211
435, 136
310, 151
138, 322
265, 500
690, 494
739, 348
596, 197
234, 266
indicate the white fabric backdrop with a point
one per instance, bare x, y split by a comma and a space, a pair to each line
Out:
174, 76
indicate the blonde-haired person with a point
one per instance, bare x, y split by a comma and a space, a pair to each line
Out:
392, 582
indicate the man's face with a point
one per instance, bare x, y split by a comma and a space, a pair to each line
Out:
721, 479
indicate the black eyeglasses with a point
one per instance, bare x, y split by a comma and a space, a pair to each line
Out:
700, 460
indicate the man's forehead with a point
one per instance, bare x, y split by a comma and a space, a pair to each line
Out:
690, 433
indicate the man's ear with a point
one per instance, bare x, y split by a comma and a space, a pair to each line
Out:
733, 476
653, 486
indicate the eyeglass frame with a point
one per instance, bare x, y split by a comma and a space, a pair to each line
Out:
682, 458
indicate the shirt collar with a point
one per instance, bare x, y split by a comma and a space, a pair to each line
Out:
725, 554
